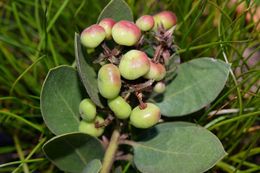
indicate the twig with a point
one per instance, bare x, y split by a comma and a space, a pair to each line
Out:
157, 53
139, 96
127, 142
127, 157
110, 152
107, 121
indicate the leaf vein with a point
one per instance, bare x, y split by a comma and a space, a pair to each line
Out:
67, 105
77, 151
164, 151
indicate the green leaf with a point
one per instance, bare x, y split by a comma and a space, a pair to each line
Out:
178, 147
117, 10
60, 98
72, 152
93, 167
196, 84
87, 73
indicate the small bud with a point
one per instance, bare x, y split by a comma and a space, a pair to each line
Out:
145, 23
109, 81
145, 118
126, 33
120, 107
87, 110
157, 71
90, 128
92, 36
165, 18
107, 24
134, 64
159, 88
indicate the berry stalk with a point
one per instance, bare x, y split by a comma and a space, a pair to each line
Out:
110, 152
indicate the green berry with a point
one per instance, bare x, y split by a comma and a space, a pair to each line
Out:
145, 118
145, 23
157, 71
165, 18
107, 24
159, 87
90, 129
92, 36
87, 110
126, 33
134, 64
109, 81
120, 107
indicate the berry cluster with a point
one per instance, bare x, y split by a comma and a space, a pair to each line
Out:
127, 70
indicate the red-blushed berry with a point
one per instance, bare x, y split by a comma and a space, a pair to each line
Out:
92, 36
87, 110
145, 23
90, 127
157, 71
109, 81
134, 64
165, 18
120, 107
126, 33
145, 118
107, 24
159, 87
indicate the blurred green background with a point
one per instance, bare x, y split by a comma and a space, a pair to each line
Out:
37, 35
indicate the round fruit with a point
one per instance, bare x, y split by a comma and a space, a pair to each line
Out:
120, 107
109, 81
90, 129
145, 118
134, 64
107, 24
145, 23
157, 71
165, 18
87, 110
159, 87
92, 36
126, 33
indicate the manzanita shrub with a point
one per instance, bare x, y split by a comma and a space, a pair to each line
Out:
111, 107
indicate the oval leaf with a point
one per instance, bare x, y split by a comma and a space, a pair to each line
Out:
196, 84
93, 167
87, 73
72, 152
60, 98
117, 10
178, 147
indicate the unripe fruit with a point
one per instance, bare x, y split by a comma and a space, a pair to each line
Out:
145, 23
165, 18
159, 87
134, 64
145, 118
90, 129
126, 33
92, 36
87, 110
120, 107
107, 24
157, 71
109, 81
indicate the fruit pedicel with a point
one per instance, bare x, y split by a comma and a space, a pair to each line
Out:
127, 70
